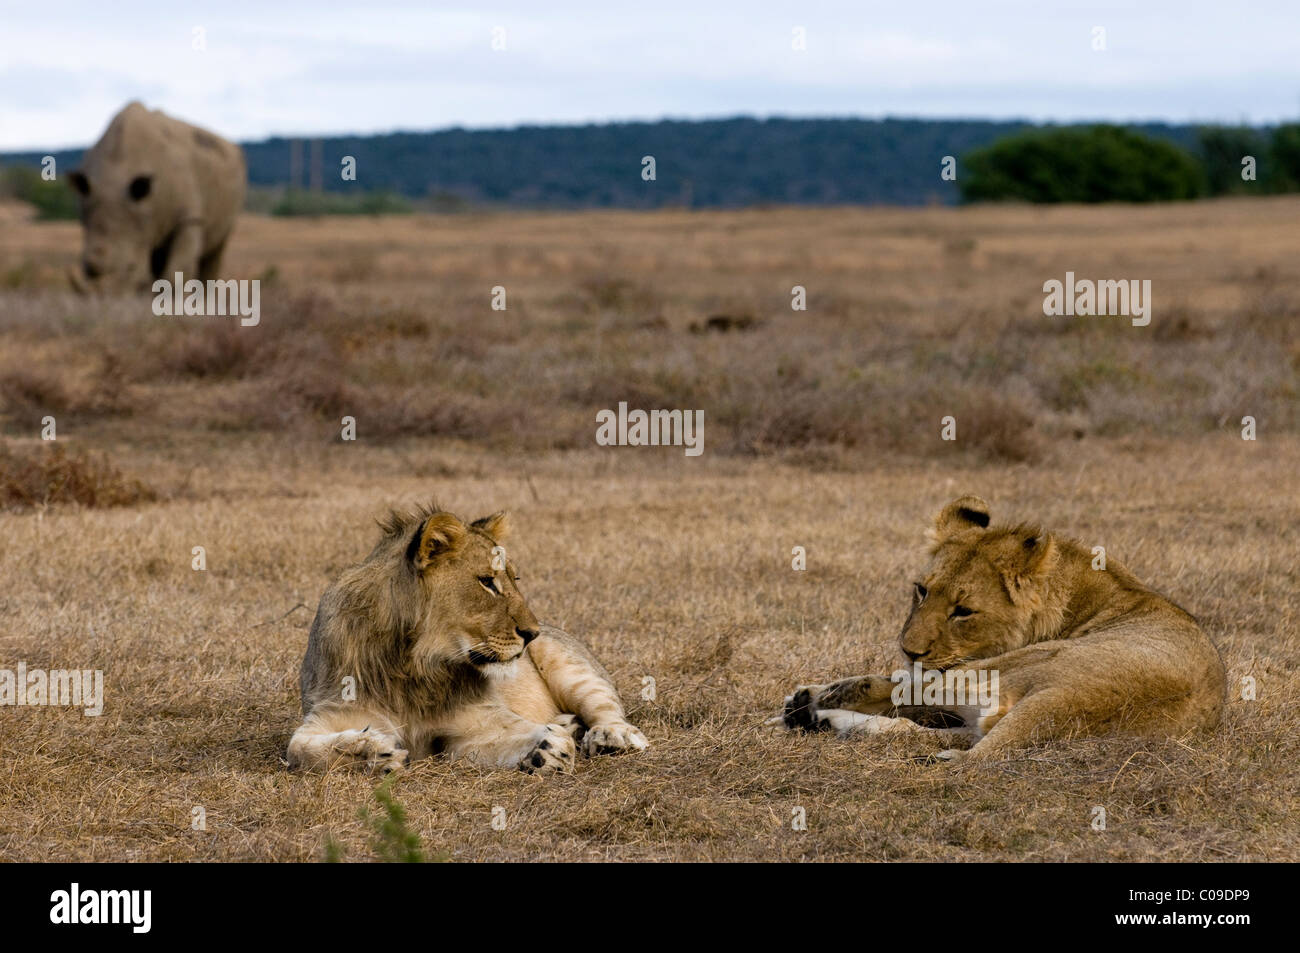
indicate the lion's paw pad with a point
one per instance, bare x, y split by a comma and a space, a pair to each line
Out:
800, 710
607, 739
570, 723
854, 722
555, 751
378, 751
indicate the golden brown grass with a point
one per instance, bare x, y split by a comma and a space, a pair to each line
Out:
912, 315
50, 475
821, 430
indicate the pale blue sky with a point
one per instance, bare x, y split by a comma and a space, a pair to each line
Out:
307, 68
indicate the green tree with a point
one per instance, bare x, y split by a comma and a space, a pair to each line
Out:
53, 199
1081, 164
1222, 149
1284, 159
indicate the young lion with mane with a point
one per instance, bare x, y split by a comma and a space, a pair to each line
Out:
427, 646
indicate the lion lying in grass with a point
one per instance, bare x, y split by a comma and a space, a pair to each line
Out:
1074, 648
427, 646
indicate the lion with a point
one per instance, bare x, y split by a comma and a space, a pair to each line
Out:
1071, 645
428, 647
157, 196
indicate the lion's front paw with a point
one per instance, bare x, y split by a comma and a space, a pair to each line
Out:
570, 723
613, 737
855, 722
800, 711
375, 749
555, 751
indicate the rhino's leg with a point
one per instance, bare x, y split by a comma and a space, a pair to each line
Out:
183, 255
210, 264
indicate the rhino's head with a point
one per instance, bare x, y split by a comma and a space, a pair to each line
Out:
117, 216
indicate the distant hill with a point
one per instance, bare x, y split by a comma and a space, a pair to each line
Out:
721, 163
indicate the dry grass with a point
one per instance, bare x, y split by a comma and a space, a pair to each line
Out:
911, 316
51, 475
821, 431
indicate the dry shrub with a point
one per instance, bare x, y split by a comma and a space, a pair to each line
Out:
222, 348
796, 419
24, 390
1000, 429
52, 475
110, 392
701, 658
870, 369
403, 323
299, 393
212, 350
725, 323
604, 385
105, 391
616, 294
1182, 323
389, 415
1270, 313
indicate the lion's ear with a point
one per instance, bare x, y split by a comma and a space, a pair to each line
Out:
1026, 558
496, 526
961, 515
439, 535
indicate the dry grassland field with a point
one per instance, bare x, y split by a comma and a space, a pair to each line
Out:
822, 430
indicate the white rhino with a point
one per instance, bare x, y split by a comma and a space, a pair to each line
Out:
158, 196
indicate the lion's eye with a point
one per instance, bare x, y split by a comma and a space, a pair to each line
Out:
921, 592
489, 583
961, 612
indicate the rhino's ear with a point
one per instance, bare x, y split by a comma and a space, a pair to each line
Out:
139, 187
79, 182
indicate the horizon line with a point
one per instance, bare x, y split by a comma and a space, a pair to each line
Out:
780, 117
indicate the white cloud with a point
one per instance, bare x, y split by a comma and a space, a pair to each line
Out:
300, 68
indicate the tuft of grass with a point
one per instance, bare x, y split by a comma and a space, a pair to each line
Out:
32, 390
52, 475
1001, 429
392, 840
91, 389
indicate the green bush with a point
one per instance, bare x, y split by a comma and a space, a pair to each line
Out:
53, 199
1081, 164
1284, 159
392, 838
1222, 148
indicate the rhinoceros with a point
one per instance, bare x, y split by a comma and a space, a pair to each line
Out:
158, 196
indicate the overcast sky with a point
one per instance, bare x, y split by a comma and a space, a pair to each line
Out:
291, 67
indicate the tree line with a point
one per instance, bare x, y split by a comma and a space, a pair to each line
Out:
742, 162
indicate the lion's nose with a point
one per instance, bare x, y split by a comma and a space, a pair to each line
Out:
92, 270
527, 634
915, 656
